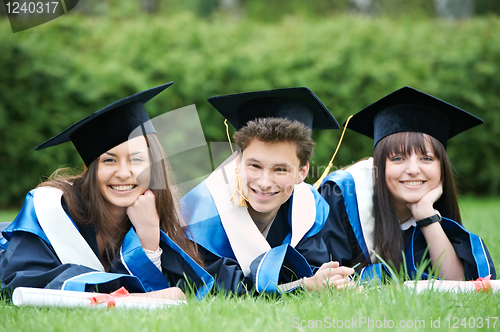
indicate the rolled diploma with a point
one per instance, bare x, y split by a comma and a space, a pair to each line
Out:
39, 297
449, 285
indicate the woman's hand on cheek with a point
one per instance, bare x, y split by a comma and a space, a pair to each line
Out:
424, 208
144, 216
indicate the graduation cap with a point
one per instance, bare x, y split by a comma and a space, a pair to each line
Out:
408, 109
299, 104
109, 126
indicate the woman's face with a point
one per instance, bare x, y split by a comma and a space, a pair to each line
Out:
410, 177
123, 173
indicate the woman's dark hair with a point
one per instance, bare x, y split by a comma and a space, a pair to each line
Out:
388, 238
86, 204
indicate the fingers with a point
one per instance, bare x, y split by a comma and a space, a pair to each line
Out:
425, 206
171, 293
330, 274
331, 269
329, 265
143, 209
149, 193
145, 219
175, 293
338, 281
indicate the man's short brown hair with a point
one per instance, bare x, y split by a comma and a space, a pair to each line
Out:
274, 130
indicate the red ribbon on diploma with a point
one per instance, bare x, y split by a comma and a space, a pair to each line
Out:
483, 284
109, 298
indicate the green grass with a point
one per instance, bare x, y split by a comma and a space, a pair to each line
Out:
8, 216
368, 309
372, 306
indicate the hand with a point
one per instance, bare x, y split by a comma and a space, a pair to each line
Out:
424, 207
172, 293
330, 274
144, 216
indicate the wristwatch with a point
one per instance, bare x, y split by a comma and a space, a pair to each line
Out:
429, 220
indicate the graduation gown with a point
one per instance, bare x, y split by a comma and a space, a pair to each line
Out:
348, 232
235, 252
46, 249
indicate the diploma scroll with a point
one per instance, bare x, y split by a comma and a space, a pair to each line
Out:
484, 285
37, 297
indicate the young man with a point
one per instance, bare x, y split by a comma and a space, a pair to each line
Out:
256, 222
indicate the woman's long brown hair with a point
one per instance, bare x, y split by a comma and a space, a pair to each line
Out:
87, 206
388, 241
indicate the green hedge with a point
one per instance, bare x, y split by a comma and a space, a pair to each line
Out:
54, 74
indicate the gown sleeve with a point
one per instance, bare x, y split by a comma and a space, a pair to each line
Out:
469, 248
268, 272
338, 235
30, 261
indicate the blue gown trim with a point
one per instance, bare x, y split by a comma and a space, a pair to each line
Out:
477, 245
139, 265
268, 270
373, 272
477, 248
322, 211
204, 222
24, 221
3, 243
204, 276
80, 282
345, 182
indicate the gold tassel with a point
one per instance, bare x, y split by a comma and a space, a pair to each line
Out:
228, 137
330, 164
242, 200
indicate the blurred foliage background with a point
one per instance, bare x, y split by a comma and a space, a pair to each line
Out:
349, 52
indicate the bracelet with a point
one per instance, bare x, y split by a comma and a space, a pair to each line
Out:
429, 220
154, 256
151, 251
303, 283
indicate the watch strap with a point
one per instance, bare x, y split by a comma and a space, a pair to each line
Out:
429, 220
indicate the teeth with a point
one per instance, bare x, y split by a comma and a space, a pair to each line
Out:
413, 183
122, 188
264, 194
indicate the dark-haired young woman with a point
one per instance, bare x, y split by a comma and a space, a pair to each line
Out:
401, 205
116, 224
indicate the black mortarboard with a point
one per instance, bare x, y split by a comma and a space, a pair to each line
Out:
109, 126
408, 109
299, 104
